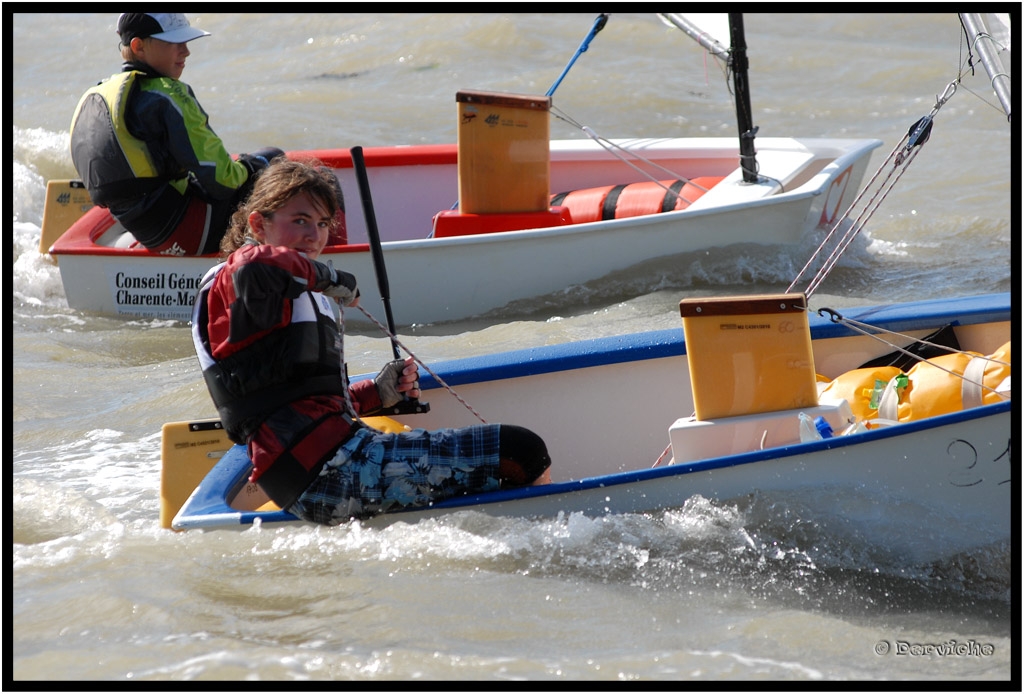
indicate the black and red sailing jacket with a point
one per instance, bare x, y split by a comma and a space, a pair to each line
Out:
270, 350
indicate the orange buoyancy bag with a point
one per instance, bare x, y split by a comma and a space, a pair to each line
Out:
634, 199
859, 388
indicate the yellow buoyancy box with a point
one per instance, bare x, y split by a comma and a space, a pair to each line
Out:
748, 354
188, 451
504, 153
66, 201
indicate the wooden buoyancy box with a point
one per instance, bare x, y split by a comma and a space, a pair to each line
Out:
66, 201
748, 354
504, 152
188, 450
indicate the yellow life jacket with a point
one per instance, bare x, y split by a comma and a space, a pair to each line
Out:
950, 383
114, 164
940, 385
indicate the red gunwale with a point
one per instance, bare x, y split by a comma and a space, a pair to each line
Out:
398, 155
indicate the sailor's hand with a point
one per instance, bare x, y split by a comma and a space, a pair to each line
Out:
253, 162
344, 295
336, 284
397, 378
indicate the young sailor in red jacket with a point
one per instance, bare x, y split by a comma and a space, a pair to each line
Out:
267, 338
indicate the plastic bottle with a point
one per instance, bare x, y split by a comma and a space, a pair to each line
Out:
875, 394
808, 431
823, 427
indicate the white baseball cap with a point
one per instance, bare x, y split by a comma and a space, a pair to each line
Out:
166, 26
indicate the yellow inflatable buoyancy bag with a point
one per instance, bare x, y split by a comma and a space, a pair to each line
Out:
950, 383
860, 388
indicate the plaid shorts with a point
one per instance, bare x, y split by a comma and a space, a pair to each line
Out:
374, 472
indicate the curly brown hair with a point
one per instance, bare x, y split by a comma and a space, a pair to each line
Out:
274, 187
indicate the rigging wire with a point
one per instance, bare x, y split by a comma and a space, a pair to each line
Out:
614, 149
712, 47
900, 159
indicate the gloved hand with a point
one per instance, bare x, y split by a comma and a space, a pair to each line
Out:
336, 284
395, 380
253, 162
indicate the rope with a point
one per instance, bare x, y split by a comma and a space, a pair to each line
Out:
419, 361
662, 456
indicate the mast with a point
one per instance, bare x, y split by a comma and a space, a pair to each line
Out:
744, 117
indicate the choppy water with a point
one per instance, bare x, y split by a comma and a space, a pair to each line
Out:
757, 589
